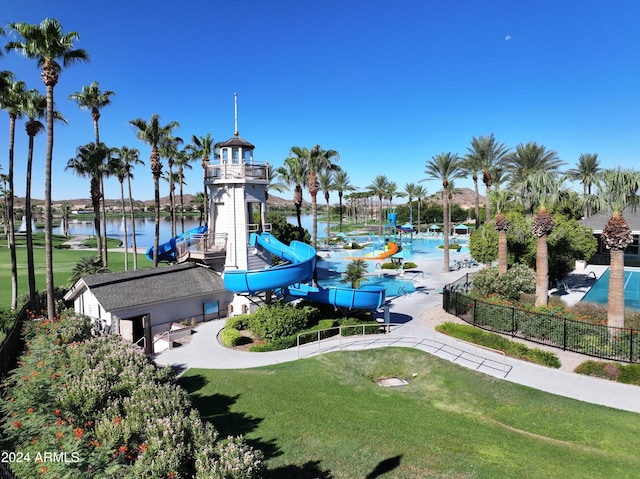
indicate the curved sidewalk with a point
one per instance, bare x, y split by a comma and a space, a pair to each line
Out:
204, 351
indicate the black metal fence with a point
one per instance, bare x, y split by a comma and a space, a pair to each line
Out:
12, 345
597, 340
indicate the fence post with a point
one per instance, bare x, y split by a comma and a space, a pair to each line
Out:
631, 345
513, 322
564, 334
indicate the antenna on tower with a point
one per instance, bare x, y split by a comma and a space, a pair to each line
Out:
235, 108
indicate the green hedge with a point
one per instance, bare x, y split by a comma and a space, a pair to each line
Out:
280, 320
238, 322
230, 337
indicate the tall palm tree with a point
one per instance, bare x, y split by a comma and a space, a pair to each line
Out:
131, 157
198, 201
472, 163
489, 155
182, 160
341, 184
11, 99
153, 134
169, 149
92, 98
202, 147
109, 169
616, 190
326, 185
546, 188
88, 163
120, 170
317, 160
65, 211
500, 198
527, 160
48, 45
419, 192
392, 192
379, 187
410, 191
445, 167
294, 173
35, 109
586, 172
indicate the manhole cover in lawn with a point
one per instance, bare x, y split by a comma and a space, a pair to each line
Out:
391, 382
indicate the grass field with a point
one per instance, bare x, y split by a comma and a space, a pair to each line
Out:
63, 259
324, 417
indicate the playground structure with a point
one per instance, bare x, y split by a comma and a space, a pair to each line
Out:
237, 241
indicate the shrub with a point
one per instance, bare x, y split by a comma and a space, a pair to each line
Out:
354, 327
238, 322
623, 373
517, 280
230, 337
280, 319
409, 265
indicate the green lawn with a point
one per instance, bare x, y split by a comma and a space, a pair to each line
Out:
324, 417
63, 259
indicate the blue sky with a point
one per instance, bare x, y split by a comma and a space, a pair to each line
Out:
388, 84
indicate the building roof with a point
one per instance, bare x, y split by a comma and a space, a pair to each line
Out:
127, 289
237, 141
598, 221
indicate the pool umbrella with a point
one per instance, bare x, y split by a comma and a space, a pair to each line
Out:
434, 227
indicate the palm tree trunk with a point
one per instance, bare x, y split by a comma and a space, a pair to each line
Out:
502, 252
477, 193
328, 220
31, 269
615, 311
156, 236
133, 226
314, 217
340, 202
48, 230
124, 222
206, 206
419, 203
487, 203
105, 259
542, 271
180, 172
380, 219
11, 236
445, 220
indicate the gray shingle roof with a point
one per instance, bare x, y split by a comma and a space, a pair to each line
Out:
152, 285
236, 141
597, 221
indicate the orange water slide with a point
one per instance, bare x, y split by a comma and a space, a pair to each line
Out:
393, 249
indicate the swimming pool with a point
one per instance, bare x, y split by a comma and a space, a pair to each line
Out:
394, 286
599, 292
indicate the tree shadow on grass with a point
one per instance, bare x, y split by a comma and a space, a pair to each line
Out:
385, 466
308, 470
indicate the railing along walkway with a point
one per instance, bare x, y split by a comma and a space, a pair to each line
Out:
367, 336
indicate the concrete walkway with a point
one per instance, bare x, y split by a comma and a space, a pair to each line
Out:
416, 316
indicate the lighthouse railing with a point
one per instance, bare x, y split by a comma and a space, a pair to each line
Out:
221, 170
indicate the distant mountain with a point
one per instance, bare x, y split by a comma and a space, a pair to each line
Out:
465, 197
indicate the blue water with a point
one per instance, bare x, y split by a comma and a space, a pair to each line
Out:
393, 285
599, 292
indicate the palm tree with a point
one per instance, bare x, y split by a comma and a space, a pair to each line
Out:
379, 188
471, 165
445, 167
169, 150
410, 191
199, 200
91, 98
392, 191
48, 45
489, 156
153, 134
317, 160
65, 210
354, 273
88, 163
326, 185
617, 189
130, 158
109, 169
202, 147
527, 160
500, 199
274, 183
546, 188
419, 192
35, 108
182, 160
11, 100
341, 184
586, 172
120, 170
294, 172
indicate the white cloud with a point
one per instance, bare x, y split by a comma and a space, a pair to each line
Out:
507, 38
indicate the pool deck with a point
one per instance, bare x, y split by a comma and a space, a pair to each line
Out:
417, 315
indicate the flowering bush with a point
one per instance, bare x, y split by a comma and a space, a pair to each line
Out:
517, 280
105, 410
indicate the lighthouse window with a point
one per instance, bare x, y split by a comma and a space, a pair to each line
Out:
236, 155
246, 156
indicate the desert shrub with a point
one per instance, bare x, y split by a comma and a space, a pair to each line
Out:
238, 322
409, 265
623, 373
230, 337
281, 319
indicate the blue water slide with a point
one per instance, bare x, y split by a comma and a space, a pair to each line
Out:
367, 297
302, 262
167, 251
